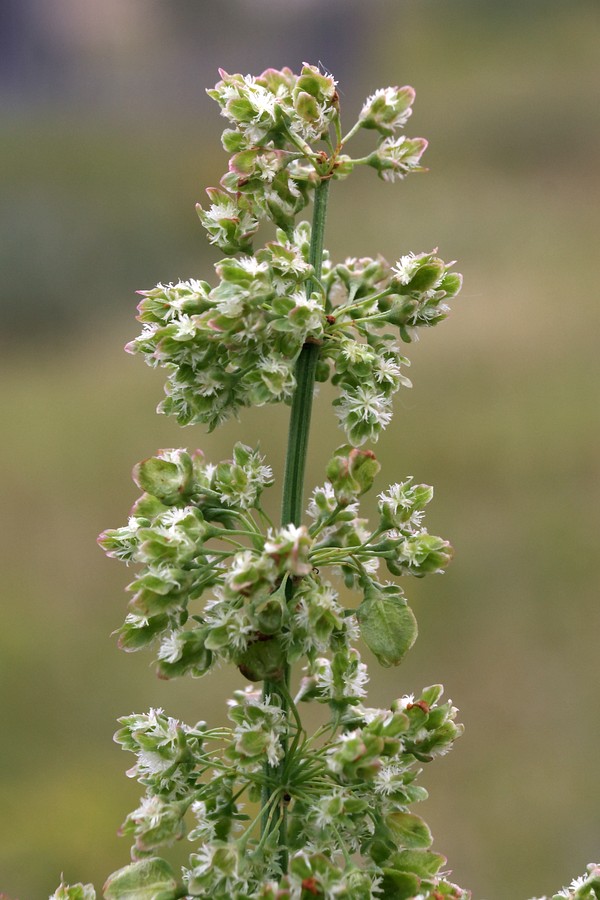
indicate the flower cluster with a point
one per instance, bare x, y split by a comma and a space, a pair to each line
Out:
386, 111
351, 796
276, 117
205, 601
237, 344
175, 533
216, 581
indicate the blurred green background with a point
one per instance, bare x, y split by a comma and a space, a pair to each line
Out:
107, 141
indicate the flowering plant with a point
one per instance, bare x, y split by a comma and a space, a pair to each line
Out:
272, 811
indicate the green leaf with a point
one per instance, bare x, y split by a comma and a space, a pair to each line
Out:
263, 660
398, 885
432, 694
387, 624
133, 636
423, 863
409, 830
145, 880
168, 481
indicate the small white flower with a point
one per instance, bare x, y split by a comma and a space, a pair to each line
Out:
171, 455
386, 779
205, 829
152, 763
171, 647
369, 713
367, 404
403, 155
405, 701
406, 267
357, 352
175, 515
388, 94
355, 684
151, 809
251, 265
352, 628
386, 369
327, 495
149, 329
263, 101
186, 328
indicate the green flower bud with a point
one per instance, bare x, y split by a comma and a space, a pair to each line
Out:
351, 473
387, 109
149, 879
168, 476
289, 547
395, 883
279, 81
219, 861
343, 167
229, 222
306, 106
420, 554
315, 83
263, 660
451, 284
155, 823
402, 505
397, 157
184, 651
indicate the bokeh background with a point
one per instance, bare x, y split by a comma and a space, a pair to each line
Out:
108, 139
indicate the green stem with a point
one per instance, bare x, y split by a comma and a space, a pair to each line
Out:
295, 465
293, 494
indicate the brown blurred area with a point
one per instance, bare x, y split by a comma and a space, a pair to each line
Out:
108, 139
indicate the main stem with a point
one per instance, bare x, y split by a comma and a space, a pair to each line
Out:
293, 494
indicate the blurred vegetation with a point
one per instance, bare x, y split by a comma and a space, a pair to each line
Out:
503, 420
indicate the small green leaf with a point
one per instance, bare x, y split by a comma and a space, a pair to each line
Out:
387, 625
398, 885
409, 830
263, 660
132, 636
169, 480
145, 880
432, 694
423, 863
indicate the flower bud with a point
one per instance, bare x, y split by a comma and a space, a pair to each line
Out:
149, 878
315, 83
306, 106
167, 476
396, 157
289, 548
387, 109
263, 660
351, 473
229, 224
